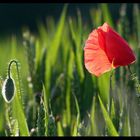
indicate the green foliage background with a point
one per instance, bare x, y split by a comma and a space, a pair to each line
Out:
57, 96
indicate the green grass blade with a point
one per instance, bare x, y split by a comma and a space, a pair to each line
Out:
68, 103
96, 17
59, 129
78, 117
43, 33
13, 46
38, 53
126, 128
106, 14
76, 33
53, 49
20, 116
2, 116
92, 118
110, 127
45, 99
45, 103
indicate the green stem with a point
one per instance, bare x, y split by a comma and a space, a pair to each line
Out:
110, 100
111, 96
9, 67
130, 69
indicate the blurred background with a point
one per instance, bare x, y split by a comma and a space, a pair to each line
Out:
14, 16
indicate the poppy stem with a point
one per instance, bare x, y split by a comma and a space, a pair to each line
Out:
135, 79
130, 69
111, 96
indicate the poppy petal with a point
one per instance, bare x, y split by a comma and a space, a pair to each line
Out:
117, 49
96, 60
106, 49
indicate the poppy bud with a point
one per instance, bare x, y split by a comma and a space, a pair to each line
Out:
8, 90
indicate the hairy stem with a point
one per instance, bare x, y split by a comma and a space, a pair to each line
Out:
135, 79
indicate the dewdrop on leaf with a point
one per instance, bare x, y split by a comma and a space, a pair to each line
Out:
8, 89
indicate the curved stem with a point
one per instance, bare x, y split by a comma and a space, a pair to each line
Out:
9, 68
12, 61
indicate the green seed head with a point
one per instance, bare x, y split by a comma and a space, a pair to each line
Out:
8, 90
51, 126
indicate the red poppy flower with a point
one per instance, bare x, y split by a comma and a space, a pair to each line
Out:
106, 49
